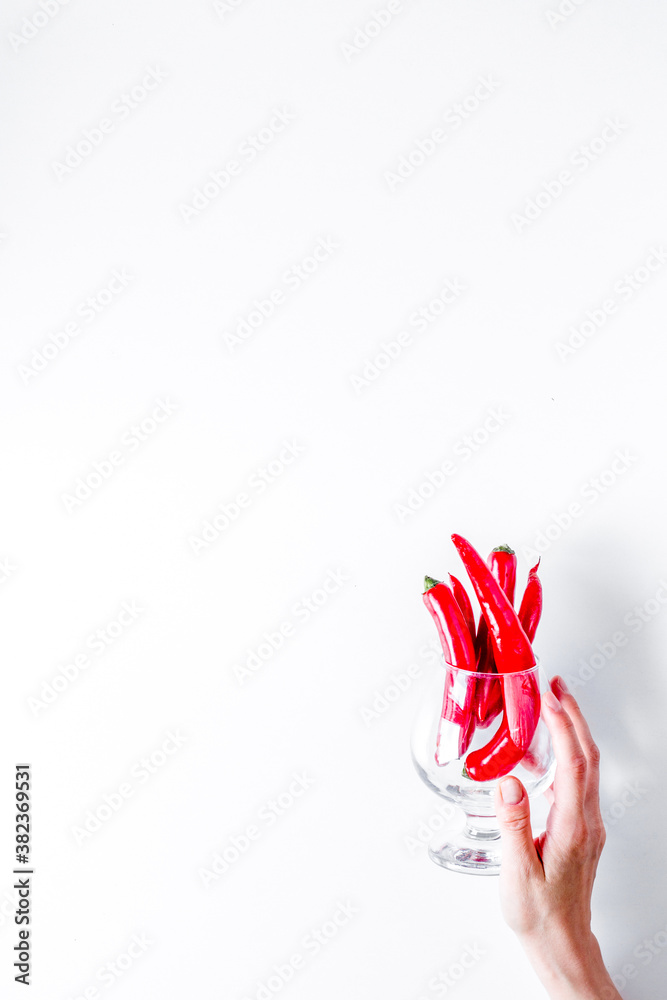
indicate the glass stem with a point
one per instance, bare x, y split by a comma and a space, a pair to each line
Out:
482, 827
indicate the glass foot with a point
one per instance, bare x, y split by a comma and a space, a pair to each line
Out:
473, 850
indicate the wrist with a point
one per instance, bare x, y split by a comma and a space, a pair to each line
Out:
570, 966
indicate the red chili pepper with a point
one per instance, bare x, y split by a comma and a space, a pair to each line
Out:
451, 710
530, 611
521, 695
495, 759
455, 726
459, 651
512, 650
502, 563
511, 646
503, 752
463, 601
489, 699
489, 702
454, 633
467, 724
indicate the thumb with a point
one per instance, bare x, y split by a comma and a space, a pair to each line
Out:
513, 812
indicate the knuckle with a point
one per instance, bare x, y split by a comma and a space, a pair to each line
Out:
572, 858
580, 835
517, 824
595, 839
580, 853
578, 765
598, 833
594, 754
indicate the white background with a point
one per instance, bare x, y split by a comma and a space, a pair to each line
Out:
359, 102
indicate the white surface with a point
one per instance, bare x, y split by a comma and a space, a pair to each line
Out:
334, 508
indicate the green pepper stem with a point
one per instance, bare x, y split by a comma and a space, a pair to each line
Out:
430, 582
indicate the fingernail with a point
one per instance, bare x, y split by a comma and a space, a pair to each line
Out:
551, 701
511, 791
563, 686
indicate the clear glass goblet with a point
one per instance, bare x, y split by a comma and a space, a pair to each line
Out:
460, 722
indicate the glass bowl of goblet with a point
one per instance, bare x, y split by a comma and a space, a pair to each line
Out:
472, 729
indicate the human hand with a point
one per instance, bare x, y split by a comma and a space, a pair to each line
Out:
546, 882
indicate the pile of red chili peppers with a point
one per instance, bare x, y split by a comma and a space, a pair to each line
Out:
500, 644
